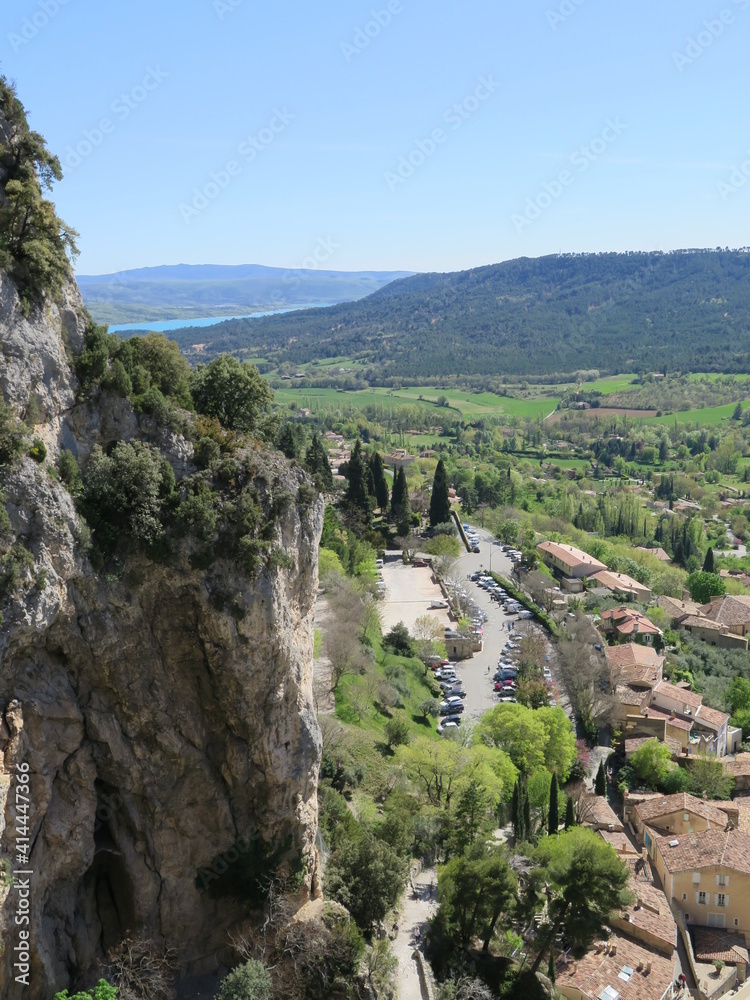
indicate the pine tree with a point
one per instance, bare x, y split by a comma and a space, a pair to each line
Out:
440, 505
553, 820
600, 785
400, 505
379, 480
708, 562
570, 817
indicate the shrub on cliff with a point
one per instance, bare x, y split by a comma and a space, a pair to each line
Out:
124, 494
250, 981
367, 877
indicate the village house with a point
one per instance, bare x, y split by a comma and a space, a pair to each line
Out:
631, 626
677, 609
729, 610
659, 553
621, 585
569, 564
399, 459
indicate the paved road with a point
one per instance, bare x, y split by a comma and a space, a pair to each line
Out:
415, 911
480, 695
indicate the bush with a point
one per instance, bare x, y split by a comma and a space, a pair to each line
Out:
102, 991
10, 435
38, 450
69, 471
399, 641
397, 732
251, 981
367, 877
232, 391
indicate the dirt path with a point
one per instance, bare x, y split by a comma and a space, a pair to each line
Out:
415, 910
325, 703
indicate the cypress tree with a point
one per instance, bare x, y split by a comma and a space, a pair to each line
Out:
600, 785
570, 818
553, 819
515, 810
316, 462
440, 505
288, 441
400, 505
526, 814
379, 480
551, 966
708, 562
357, 494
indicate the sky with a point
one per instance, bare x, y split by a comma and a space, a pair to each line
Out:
422, 135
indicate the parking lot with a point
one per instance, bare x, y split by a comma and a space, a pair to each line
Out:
408, 593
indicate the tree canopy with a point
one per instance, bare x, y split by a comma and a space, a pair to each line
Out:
232, 391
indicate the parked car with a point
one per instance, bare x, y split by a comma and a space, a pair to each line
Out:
446, 727
453, 718
451, 707
419, 562
457, 692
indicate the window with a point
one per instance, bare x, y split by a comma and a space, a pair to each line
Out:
702, 898
720, 899
686, 817
684, 895
736, 922
722, 880
696, 878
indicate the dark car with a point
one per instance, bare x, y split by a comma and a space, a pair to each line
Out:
457, 692
452, 718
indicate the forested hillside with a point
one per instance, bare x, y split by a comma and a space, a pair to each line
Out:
687, 310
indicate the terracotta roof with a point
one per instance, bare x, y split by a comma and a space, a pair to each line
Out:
594, 972
698, 621
627, 695
711, 717
625, 621
651, 911
571, 556
728, 849
710, 944
677, 608
650, 811
689, 698
636, 742
620, 841
660, 554
654, 712
598, 811
619, 581
739, 767
633, 654
729, 610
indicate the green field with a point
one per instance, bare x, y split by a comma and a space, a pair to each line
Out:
619, 383
711, 416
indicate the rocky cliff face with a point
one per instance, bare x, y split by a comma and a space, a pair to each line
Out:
165, 714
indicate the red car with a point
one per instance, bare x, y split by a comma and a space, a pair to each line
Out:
419, 562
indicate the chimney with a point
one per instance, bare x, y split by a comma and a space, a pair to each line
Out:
648, 967
613, 949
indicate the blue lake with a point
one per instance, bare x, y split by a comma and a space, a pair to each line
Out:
163, 326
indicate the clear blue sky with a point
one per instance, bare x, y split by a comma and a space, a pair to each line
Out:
328, 178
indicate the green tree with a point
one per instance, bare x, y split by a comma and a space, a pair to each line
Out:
570, 816
430, 706
704, 586
706, 777
708, 562
400, 504
652, 762
367, 877
397, 732
379, 481
36, 247
232, 391
474, 893
600, 784
102, 991
470, 815
517, 730
398, 640
586, 882
440, 505
249, 981
287, 442
737, 413
316, 462
358, 498
554, 807
560, 742
124, 493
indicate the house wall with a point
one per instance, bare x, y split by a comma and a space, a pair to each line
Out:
674, 823
734, 739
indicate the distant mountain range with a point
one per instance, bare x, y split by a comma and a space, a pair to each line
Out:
190, 291
619, 312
